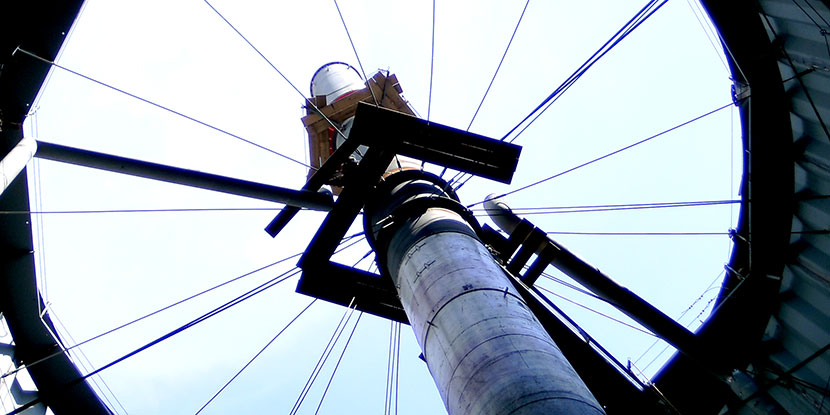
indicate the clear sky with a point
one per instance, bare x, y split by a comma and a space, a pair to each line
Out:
99, 270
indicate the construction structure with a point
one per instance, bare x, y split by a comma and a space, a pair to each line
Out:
487, 352
764, 350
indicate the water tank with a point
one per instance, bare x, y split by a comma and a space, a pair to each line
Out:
335, 80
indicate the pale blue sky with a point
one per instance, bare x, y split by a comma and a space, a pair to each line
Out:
104, 269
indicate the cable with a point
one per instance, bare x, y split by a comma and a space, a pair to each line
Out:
590, 294
218, 13
598, 312
818, 26
131, 322
359, 234
7, 388
326, 353
574, 287
718, 52
323, 357
308, 101
657, 356
582, 333
352, 236
255, 356
172, 111
499, 66
81, 357
386, 395
798, 78
824, 395
783, 377
639, 233
66, 41
522, 210
397, 364
356, 55
608, 155
363, 257
624, 31
816, 12
390, 362
38, 195
431, 68
392, 368
731, 170
227, 305
551, 210
431, 64
822, 31
614, 207
163, 210
710, 287
459, 174
257, 290
337, 365
650, 362
641, 16
578, 76
699, 298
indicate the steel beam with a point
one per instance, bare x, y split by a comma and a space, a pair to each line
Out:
600, 284
299, 198
435, 143
750, 295
314, 183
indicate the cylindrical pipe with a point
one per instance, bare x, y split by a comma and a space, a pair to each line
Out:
486, 351
193, 178
16, 160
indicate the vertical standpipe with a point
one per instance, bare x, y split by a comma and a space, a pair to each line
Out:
486, 351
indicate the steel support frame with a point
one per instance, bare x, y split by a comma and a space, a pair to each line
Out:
435, 143
749, 293
373, 293
531, 240
40, 26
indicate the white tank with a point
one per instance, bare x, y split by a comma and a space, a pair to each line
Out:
335, 80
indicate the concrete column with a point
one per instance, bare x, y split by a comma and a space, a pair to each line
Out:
486, 351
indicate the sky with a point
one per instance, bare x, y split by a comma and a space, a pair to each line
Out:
99, 270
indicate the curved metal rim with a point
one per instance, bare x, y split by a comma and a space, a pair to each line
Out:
750, 219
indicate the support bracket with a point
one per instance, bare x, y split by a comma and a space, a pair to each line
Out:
386, 133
